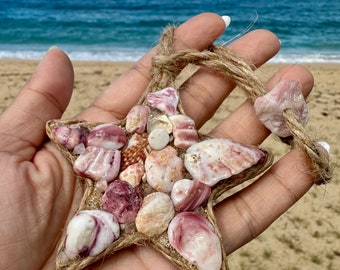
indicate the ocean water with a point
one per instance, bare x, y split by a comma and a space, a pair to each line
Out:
309, 30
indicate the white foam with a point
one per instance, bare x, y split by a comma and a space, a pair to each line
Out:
128, 54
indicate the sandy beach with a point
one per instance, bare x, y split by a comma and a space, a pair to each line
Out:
305, 237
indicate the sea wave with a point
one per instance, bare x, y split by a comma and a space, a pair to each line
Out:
132, 55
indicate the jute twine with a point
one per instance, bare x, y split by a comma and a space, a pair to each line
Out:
167, 69
167, 64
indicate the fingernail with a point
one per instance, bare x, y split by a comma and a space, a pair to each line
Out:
53, 48
226, 20
326, 146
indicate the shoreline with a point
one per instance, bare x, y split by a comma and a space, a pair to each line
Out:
312, 222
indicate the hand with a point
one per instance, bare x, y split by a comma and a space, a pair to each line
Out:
38, 193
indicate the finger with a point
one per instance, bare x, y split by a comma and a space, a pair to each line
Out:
243, 125
45, 96
198, 33
249, 212
206, 90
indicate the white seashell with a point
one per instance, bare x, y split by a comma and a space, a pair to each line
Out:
158, 138
325, 146
285, 95
89, 233
187, 194
157, 120
184, 131
79, 149
194, 238
212, 160
137, 119
155, 214
98, 164
133, 174
107, 136
163, 168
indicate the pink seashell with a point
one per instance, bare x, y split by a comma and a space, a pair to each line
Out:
137, 119
155, 214
107, 136
194, 238
184, 131
187, 194
165, 100
122, 200
212, 160
89, 233
163, 168
133, 174
98, 164
285, 95
70, 137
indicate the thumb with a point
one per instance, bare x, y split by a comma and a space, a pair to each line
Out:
45, 96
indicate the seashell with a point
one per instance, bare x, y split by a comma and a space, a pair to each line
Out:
122, 200
89, 233
158, 138
184, 131
165, 100
163, 168
137, 119
157, 120
285, 95
187, 194
133, 174
215, 159
135, 151
107, 136
71, 136
194, 238
79, 149
98, 164
155, 214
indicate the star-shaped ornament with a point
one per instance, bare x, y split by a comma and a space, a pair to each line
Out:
152, 179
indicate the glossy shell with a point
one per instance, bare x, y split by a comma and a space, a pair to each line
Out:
194, 238
187, 194
212, 160
89, 233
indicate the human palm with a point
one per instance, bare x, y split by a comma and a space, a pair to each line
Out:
38, 191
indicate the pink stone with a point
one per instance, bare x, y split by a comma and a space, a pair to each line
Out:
165, 100
285, 95
89, 233
163, 168
216, 159
194, 238
137, 119
187, 194
98, 164
122, 200
107, 136
184, 131
70, 137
